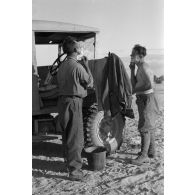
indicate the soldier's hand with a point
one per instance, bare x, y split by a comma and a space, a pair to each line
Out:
132, 64
84, 61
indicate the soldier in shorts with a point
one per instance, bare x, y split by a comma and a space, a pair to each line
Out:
142, 84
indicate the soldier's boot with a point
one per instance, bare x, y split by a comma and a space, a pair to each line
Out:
143, 157
142, 138
152, 147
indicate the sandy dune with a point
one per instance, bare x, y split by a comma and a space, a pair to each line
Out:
49, 176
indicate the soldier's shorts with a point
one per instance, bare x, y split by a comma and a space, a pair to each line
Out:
148, 112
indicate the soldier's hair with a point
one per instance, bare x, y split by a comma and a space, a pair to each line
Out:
69, 44
139, 50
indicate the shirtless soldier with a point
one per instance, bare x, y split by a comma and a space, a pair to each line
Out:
142, 84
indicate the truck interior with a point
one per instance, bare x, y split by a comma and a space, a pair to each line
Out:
44, 98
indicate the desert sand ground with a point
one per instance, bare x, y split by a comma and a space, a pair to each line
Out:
49, 175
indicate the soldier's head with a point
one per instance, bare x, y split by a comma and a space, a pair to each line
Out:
70, 46
138, 53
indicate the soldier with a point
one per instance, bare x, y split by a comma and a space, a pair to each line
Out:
73, 79
142, 84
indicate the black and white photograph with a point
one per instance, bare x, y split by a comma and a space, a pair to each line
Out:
98, 97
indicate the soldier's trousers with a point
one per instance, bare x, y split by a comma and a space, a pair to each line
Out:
71, 122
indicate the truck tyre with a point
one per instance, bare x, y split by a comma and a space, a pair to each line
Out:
103, 131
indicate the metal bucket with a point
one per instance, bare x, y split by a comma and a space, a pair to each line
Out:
96, 157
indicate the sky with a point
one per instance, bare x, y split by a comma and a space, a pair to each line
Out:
122, 23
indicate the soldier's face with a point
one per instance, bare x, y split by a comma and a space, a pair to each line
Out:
80, 52
135, 58
78, 48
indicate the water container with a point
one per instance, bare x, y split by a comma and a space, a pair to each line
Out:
96, 157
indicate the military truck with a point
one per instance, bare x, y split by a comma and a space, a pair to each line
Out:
99, 129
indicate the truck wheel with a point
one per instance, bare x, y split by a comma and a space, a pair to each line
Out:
103, 131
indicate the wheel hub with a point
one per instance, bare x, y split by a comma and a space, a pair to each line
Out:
106, 132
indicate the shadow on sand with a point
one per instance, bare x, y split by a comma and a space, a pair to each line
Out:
38, 174
45, 165
47, 149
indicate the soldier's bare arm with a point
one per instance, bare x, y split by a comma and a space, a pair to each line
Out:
133, 77
143, 80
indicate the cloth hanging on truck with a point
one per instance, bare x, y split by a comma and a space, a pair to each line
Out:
116, 89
